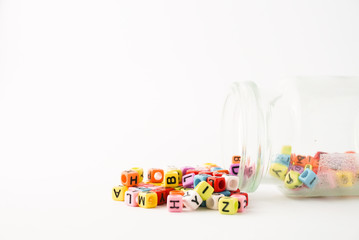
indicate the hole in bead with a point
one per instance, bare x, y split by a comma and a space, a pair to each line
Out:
221, 184
158, 176
123, 178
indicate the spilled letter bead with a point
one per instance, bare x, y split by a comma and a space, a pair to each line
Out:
212, 201
241, 202
200, 178
191, 200
204, 190
234, 169
174, 203
236, 159
147, 199
118, 193
228, 205
130, 178
171, 179
140, 173
187, 180
231, 182
155, 175
131, 198
218, 183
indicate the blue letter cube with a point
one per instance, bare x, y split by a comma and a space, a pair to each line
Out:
283, 159
200, 178
309, 178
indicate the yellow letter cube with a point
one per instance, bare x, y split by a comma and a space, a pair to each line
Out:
204, 189
179, 172
171, 179
292, 180
147, 199
287, 150
345, 178
140, 173
278, 170
228, 205
118, 193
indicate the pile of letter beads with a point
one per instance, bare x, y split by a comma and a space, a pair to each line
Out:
184, 189
323, 171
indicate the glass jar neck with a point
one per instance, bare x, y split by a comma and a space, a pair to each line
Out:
245, 120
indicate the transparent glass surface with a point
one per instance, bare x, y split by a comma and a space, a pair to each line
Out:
309, 114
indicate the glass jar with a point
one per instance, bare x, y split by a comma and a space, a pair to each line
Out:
306, 126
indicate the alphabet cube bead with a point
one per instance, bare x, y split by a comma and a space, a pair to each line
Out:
161, 195
283, 159
174, 203
118, 193
185, 169
231, 182
187, 180
226, 193
291, 180
345, 178
177, 192
218, 174
143, 189
212, 201
191, 200
171, 179
179, 172
234, 169
228, 205
131, 198
299, 160
241, 202
314, 162
296, 168
155, 175
278, 170
236, 159
205, 172
327, 179
246, 196
225, 171
286, 150
218, 183
130, 178
204, 190
215, 169
308, 178
140, 173
318, 154
200, 178
147, 199
195, 171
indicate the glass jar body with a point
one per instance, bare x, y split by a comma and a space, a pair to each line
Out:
280, 132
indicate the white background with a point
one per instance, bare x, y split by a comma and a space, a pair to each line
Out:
91, 88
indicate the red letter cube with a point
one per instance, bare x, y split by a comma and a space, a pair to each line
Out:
218, 183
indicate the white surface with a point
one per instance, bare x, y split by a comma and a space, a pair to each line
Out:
90, 88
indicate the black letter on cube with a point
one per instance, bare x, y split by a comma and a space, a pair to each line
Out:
171, 180
224, 209
133, 179
174, 204
141, 199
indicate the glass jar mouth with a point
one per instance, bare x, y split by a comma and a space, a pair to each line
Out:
244, 133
